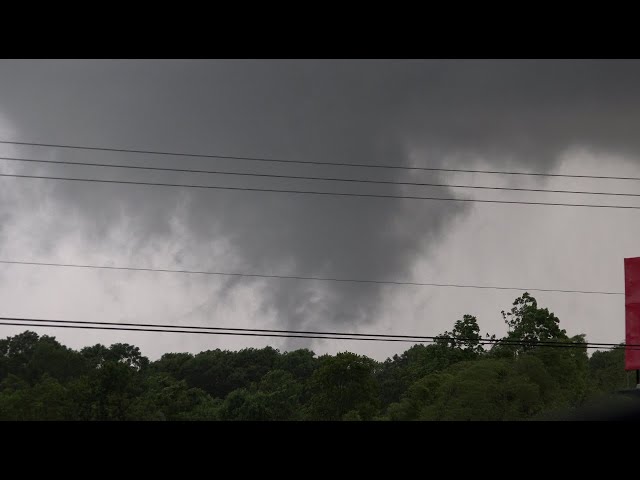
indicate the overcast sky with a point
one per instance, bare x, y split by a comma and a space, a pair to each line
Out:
556, 116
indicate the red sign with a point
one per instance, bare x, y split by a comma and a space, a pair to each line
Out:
632, 312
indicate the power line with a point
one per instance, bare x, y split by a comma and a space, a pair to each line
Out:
302, 177
309, 162
287, 335
341, 334
212, 333
310, 192
297, 277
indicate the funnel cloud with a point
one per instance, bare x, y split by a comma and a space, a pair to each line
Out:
522, 115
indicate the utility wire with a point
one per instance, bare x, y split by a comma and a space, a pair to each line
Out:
302, 177
310, 192
283, 335
211, 333
309, 162
314, 332
296, 277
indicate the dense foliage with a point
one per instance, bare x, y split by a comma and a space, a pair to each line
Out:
459, 377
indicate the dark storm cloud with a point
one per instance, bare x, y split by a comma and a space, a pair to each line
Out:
523, 112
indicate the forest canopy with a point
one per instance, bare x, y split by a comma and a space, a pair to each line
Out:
461, 376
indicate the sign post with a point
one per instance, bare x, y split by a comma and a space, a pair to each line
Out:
632, 315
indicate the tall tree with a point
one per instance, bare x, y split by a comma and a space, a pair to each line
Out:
529, 324
464, 336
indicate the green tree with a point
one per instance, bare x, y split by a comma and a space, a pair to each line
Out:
607, 373
51, 358
18, 352
46, 400
220, 372
123, 353
172, 364
395, 375
299, 363
485, 389
464, 336
417, 397
275, 397
281, 394
529, 325
342, 384
569, 369
113, 388
165, 398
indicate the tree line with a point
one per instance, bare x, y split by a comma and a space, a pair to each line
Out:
458, 377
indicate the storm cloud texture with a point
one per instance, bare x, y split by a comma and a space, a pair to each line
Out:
539, 116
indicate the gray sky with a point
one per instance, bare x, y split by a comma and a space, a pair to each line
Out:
540, 116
